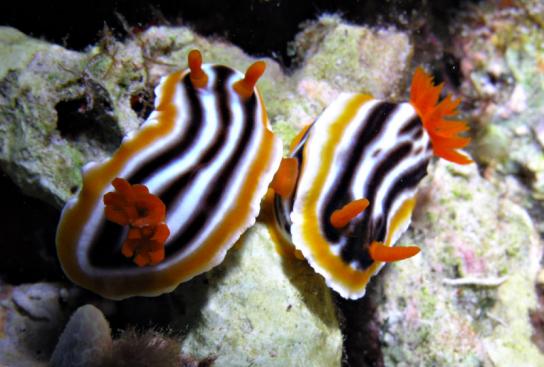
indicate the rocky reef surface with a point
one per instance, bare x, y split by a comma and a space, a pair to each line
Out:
469, 298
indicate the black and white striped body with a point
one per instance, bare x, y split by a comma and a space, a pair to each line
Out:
210, 159
358, 148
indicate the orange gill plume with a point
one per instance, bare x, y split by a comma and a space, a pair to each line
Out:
144, 214
443, 132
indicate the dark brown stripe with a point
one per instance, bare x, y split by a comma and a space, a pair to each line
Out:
284, 207
411, 124
105, 251
281, 215
408, 181
417, 134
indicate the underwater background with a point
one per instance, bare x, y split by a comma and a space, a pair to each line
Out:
75, 80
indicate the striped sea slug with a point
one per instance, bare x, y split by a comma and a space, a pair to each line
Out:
178, 192
347, 191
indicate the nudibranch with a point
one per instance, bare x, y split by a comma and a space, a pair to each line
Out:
347, 191
178, 192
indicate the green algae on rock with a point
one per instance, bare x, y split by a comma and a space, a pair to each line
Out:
534, 10
344, 56
30, 152
429, 315
502, 60
337, 57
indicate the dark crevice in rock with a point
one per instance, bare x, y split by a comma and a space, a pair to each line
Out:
452, 70
259, 27
361, 329
91, 118
142, 102
28, 237
537, 319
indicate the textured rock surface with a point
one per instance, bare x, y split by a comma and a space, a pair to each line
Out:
344, 56
534, 10
31, 319
425, 319
502, 63
33, 79
501, 54
260, 309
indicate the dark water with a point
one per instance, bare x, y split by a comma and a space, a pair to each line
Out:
259, 27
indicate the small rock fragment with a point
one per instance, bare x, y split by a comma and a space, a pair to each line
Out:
86, 340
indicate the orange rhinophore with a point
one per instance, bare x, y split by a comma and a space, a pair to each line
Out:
198, 77
443, 132
244, 87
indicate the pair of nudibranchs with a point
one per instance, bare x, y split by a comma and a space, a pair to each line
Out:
180, 191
